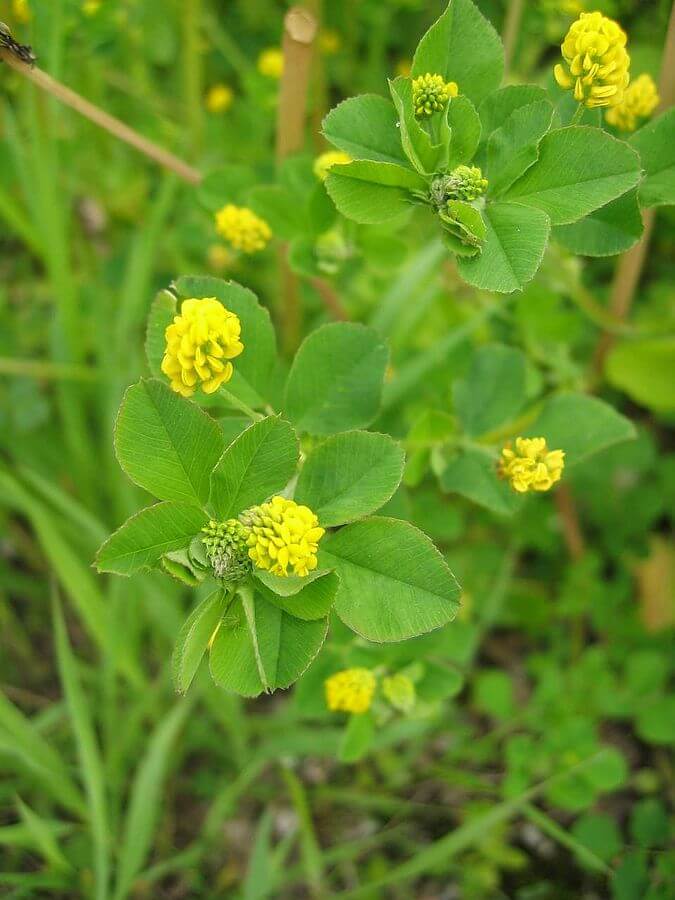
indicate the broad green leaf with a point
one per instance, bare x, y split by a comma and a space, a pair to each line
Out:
260, 647
493, 390
645, 370
465, 130
365, 127
350, 476
364, 201
143, 539
357, 738
579, 169
313, 600
462, 46
166, 444
512, 148
497, 107
513, 250
335, 382
254, 366
258, 463
394, 584
473, 474
228, 184
581, 426
146, 797
611, 229
382, 173
655, 142
282, 209
162, 311
194, 637
425, 156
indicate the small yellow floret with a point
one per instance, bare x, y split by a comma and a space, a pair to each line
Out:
639, 101
531, 466
21, 11
219, 98
271, 62
324, 162
199, 344
282, 535
329, 42
91, 7
596, 62
350, 690
242, 228
430, 93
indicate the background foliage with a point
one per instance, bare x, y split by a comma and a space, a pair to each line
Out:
535, 762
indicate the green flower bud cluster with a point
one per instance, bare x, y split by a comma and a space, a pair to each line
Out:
226, 545
430, 93
463, 183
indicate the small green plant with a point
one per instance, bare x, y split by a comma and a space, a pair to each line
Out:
277, 566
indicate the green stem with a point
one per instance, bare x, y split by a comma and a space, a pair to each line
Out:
236, 403
576, 118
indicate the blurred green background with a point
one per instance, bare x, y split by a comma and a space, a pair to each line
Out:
112, 785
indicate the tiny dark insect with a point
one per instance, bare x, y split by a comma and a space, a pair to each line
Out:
21, 51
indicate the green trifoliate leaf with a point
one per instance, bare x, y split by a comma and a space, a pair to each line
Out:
512, 148
166, 444
465, 131
394, 584
425, 155
493, 390
472, 473
350, 476
358, 738
606, 231
144, 538
655, 142
373, 192
194, 638
497, 107
284, 210
462, 46
335, 382
464, 227
579, 169
312, 600
258, 463
512, 251
366, 127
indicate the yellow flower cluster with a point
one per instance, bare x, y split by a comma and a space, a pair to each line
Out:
324, 162
531, 466
199, 344
242, 228
271, 62
219, 98
283, 534
639, 102
430, 93
596, 62
350, 690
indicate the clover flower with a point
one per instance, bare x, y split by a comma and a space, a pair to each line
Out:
283, 534
531, 466
271, 63
199, 344
242, 228
430, 93
399, 691
226, 545
640, 99
325, 161
596, 62
463, 183
219, 98
350, 690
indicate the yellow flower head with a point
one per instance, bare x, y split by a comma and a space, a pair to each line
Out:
399, 691
219, 98
350, 690
91, 7
639, 101
271, 62
324, 162
199, 344
430, 93
283, 534
329, 42
242, 228
596, 62
21, 11
531, 466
